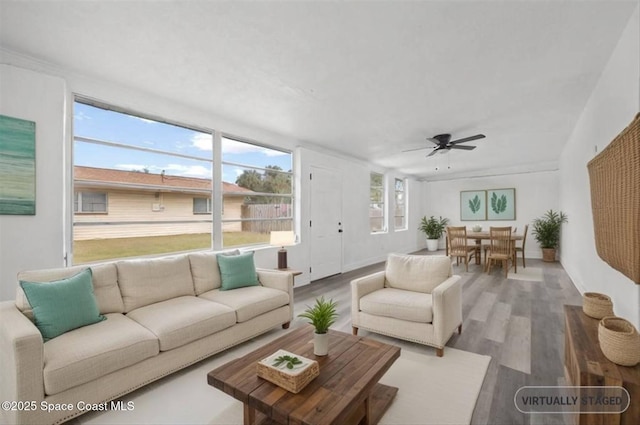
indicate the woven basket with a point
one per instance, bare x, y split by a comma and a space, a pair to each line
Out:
619, 341
596, 305
293, 381
615, 201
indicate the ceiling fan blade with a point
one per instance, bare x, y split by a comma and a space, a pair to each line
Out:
416, 149
468, 139
466, 148
433, 152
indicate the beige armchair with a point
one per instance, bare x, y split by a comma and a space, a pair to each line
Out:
416, 298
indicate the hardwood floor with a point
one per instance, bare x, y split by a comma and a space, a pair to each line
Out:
520, 324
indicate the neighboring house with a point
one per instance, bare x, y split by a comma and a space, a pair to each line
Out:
115, 204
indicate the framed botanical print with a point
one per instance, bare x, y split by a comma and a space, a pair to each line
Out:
473, 205
501, 204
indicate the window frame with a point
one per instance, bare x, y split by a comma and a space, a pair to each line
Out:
382, 189
403, 191
78, 203
75, 138
208, 206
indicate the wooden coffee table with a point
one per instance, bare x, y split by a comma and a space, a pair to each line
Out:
346, 391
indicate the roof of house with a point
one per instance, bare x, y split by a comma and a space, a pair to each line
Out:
120, 179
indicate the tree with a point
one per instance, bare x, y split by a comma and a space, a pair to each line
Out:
272, 181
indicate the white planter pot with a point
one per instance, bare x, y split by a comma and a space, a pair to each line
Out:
320, 344
432, 244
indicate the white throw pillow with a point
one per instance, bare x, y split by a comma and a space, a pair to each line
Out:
418, 273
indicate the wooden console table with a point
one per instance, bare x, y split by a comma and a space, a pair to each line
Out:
585, 365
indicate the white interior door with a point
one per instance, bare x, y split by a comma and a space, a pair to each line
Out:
326, 223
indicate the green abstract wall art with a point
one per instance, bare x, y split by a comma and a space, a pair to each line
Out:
473, 205
501, 204
17, 166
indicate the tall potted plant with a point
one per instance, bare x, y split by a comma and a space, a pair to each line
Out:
433, 228
321, 315
546, 230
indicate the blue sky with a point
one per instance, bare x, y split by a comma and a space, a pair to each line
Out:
116, 127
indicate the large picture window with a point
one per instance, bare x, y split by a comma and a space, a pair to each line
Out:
257, 190
376, 203
150, 172
400, 212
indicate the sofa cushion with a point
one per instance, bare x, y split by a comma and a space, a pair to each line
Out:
249, 302
148, 281
181, 320
62, 305
400, 304
419, 273
88, 353
205, 271
105, 286
237, 271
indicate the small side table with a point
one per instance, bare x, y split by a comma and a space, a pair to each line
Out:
292, 271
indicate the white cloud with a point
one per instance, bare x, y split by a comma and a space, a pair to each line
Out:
138, 167
189, 170
172, 169
81, 116
202, 141
233, 147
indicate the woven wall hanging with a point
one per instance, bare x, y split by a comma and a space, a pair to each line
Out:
614, 176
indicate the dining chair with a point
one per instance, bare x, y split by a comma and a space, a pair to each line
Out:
500, 248
458, 246
521, 248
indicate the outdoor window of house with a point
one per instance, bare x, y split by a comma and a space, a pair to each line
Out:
202, 205
400, 218
90, 202
376, 203
150, 171
257, 189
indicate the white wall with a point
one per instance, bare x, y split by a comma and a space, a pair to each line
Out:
43, 93
536, 192
35, 241
611, 107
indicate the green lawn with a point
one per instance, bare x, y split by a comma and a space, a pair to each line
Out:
104, 249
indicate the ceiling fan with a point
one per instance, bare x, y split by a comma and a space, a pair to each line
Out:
444, 142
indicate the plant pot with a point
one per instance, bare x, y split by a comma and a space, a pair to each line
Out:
619, 341
320, 344
432, 244
549, 255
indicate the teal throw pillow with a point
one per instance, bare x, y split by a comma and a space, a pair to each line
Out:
237, 271
63, 305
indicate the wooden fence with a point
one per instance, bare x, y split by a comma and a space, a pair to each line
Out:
271, 217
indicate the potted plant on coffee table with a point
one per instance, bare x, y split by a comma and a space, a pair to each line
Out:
322, 315
546, 230
433, 228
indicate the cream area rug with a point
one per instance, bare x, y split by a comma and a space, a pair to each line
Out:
532, 274
432, 390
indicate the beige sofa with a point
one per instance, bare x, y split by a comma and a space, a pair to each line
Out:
416, 298
162, 315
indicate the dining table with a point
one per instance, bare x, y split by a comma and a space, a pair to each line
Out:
479, 237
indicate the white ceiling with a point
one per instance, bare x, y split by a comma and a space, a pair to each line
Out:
368, 79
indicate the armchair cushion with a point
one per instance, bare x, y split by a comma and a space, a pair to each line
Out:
417, 273
400, 304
